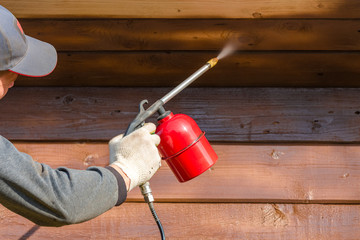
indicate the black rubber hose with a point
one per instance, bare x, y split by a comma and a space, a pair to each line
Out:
157, 220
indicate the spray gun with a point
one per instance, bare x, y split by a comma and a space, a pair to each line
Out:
183, 145
158, 105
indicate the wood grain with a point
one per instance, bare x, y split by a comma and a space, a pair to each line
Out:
202, 221
194, 34
256, 69
243, 173
184, 9
226, 114
288, 163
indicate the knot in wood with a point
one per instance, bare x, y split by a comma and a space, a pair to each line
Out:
90, 159
67, 100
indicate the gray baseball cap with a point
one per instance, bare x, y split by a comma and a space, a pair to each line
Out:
20, 53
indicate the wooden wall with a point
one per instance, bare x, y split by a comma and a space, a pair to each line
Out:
283, 113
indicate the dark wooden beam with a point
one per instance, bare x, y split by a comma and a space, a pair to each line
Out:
151, 69
194, 34
226, 114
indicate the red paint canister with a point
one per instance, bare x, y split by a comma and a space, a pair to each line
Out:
184, 146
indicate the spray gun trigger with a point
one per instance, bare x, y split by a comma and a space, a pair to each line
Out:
142, 110
141, 105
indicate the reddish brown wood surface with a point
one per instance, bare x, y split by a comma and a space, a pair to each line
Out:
226, 114
256, 69
243, 173
278, 148
184, 9
191, 34
202, 221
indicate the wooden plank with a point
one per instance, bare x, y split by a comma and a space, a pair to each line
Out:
184, 9
243, 173
226, 114
256, 69
202, 221
194, 34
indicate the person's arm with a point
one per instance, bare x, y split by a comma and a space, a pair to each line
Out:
56, 197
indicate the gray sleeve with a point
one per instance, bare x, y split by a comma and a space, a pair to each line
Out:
55, 197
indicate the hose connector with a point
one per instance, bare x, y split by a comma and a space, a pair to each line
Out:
147, 193
213, 62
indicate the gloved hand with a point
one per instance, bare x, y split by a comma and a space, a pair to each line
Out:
137, 154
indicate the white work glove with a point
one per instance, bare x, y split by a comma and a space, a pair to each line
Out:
137, 154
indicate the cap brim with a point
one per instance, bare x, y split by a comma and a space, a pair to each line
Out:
40, 59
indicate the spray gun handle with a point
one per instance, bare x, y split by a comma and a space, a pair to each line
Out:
137, 123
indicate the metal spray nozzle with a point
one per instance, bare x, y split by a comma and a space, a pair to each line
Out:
213, 62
